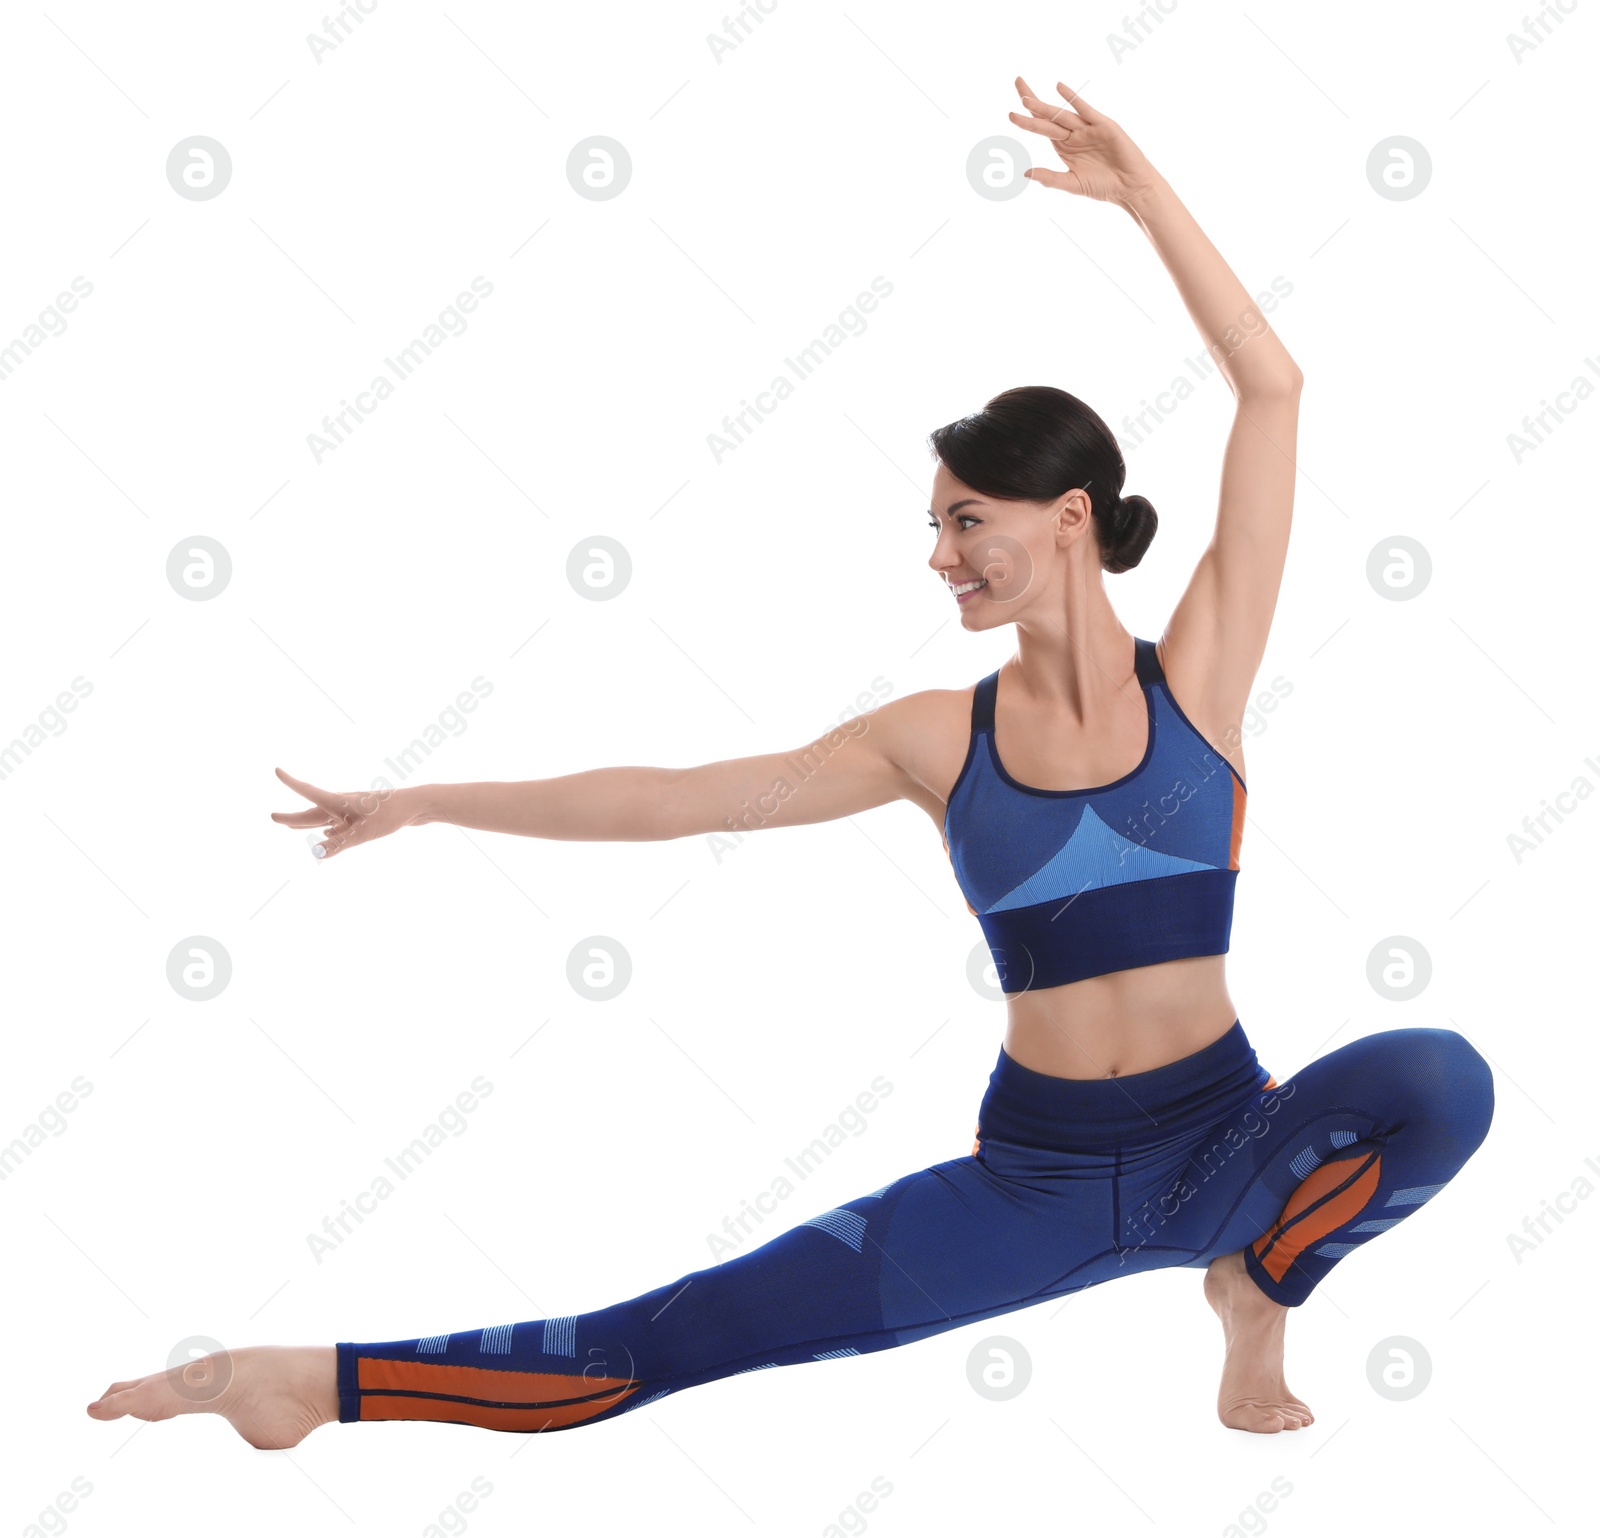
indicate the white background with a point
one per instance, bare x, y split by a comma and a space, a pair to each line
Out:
768, 591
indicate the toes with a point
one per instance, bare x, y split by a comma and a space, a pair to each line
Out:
1252, 1417
146, 1399
115, 1401
114, 1404
116, 1388
1265, 1416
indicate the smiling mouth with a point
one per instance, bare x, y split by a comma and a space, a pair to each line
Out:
964, 590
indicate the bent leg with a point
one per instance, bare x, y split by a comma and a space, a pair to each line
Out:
958, 1242
1339, 1153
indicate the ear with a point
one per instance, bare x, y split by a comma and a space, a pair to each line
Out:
1072, 518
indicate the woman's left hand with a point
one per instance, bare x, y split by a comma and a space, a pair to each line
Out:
1102, 161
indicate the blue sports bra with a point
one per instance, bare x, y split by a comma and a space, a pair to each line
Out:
1069, 884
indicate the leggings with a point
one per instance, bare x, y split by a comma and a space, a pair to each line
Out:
1070, 1182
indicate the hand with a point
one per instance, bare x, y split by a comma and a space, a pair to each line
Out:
357, 818
1102, 161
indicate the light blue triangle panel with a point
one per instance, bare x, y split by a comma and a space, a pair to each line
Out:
1093, 857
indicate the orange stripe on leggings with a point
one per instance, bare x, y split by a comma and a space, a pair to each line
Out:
498, 1384
400, 1407
1282, 1244
503, 1400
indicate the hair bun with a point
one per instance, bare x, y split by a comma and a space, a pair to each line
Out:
1129, 527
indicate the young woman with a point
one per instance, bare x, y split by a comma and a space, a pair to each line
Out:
1091, 796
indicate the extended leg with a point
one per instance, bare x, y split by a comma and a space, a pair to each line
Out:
958, 1242
929, 1252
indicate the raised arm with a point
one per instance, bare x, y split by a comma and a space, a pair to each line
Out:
896, 751
1217, 635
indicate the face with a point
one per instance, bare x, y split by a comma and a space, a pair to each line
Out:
999, 557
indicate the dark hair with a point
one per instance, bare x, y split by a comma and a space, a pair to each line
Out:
1036, 443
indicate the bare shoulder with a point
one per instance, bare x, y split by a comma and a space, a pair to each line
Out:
925, 735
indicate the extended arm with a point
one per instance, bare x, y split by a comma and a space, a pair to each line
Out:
893, 752
842, 772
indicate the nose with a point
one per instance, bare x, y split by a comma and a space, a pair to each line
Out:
945, 556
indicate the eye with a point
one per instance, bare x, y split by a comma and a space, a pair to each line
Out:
963, 519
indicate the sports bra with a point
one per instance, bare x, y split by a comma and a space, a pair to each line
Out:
1069, 884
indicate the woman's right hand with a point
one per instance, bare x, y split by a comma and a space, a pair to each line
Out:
356, 817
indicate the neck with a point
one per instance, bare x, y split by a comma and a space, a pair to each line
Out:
1075, 653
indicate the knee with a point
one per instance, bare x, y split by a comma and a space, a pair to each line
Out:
1452, 1081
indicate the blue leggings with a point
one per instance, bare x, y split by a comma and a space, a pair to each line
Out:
1071, 1182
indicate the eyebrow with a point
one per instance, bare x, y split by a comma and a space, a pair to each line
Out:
964, 502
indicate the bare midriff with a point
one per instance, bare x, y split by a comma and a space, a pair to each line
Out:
1123, 1022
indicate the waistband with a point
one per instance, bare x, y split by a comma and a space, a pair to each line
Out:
1040, 1110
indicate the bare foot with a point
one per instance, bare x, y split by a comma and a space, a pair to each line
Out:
1253, 1396
273, 1396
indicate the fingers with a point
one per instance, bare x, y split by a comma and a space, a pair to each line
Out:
306, 817
1065, 181
353, 826
329, 809
346, 814
344, 835
330, 801
1043, 125
1052, 111
1079, 105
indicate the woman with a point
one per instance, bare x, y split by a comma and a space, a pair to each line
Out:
1091, 796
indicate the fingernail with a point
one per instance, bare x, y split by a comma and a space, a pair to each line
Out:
317, 851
